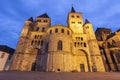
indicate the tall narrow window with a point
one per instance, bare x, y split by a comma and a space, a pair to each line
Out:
56, 30
68, 32
40, 36
75, 44
59, 45
32, 42
35, 42
62, 30
50, 31
35, 36
43, 29
81, 38
38, 42
84, 44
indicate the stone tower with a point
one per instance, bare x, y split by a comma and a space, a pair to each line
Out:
75, 21
96, 57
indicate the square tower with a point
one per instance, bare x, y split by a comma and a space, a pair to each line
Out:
75, 21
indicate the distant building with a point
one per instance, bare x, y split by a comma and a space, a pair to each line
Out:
5, 56
109, 44
58, 48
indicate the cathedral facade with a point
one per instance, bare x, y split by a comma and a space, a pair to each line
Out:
109, 44
58, 48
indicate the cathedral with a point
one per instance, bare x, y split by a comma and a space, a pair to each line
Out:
59, 48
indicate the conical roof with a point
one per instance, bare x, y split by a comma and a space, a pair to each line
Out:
43, 16
86, 21
30, 19
72, 9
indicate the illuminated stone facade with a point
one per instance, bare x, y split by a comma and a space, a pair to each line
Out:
5, 57
109, 44
59, 48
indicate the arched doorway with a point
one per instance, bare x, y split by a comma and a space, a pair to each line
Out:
82, 61
33, 66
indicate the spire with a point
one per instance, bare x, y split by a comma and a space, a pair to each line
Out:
43, 16
30, 19
86, 21
73, 10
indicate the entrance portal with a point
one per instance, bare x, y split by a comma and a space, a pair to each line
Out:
82, 61
33, 66
82, 67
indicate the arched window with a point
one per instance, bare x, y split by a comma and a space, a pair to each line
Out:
43, 29
84, 44
56, 30
50, 31
38, 42
35, 36
32, 42
75, 44
68, 32
40, 36
81, 38
35, 42
62, 30
78, 16
59, 45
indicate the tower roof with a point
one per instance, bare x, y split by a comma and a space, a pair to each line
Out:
43, 16
30, 19
86, 21
73, 10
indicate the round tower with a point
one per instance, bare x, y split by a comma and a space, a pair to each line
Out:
57, 50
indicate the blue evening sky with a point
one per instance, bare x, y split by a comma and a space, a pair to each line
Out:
13, 13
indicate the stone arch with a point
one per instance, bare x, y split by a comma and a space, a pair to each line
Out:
82, 60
